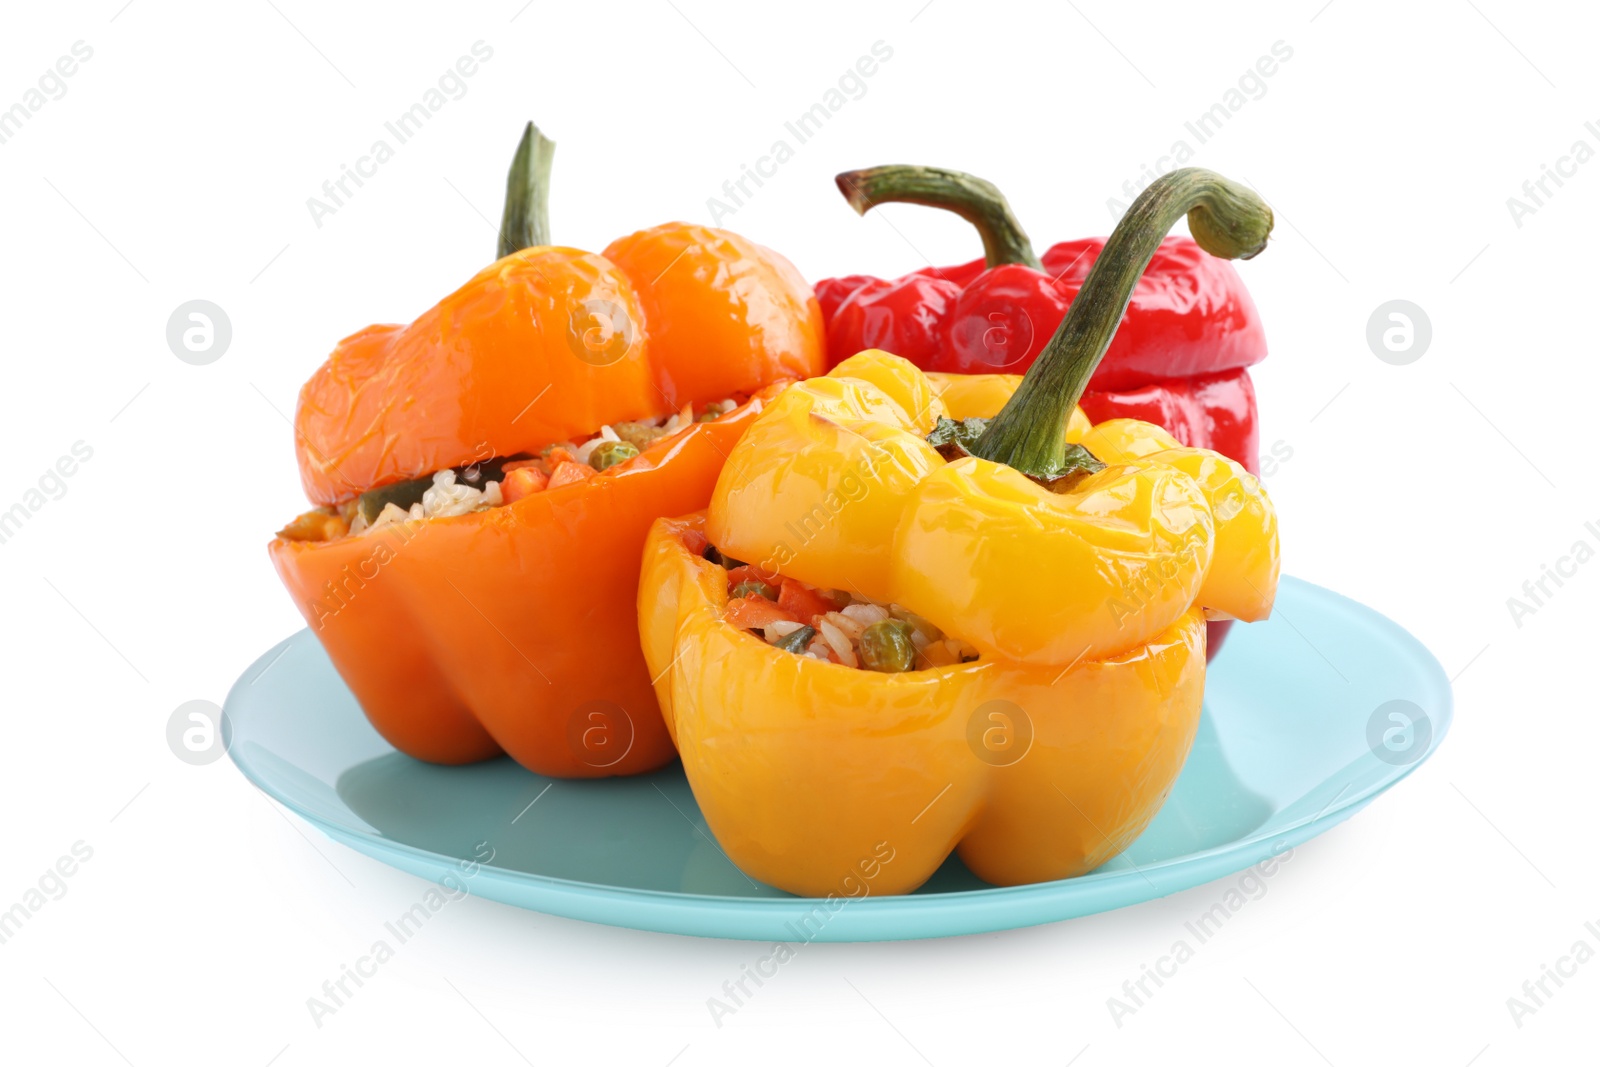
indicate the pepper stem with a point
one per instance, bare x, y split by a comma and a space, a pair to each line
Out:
974, 199
526, 222
1225, 218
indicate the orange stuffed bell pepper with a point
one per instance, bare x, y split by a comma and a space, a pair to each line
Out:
487, 475
980, 635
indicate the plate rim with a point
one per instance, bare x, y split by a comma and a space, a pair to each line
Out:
869, 906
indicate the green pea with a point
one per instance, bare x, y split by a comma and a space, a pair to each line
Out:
753, 589
401, 494
886, 646
611, 453
798, 641
713, 556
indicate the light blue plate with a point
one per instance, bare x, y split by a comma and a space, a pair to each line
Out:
1299, 733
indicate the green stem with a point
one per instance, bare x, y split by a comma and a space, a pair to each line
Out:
1225, 218
974, 199
526, 222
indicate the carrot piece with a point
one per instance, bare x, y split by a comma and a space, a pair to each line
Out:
751, 573
568, 472
754, 612
559, 456
523, 482
523, 464
804, 603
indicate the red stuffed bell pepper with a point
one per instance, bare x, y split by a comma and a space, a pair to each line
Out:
1179, 356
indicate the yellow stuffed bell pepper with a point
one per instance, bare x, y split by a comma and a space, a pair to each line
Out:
895, 633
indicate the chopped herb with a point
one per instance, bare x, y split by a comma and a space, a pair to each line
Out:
798, 641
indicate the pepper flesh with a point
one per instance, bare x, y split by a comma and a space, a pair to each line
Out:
1085, 608
513, 630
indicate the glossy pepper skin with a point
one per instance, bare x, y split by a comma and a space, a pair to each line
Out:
968, 395
549, 343
1085, 607
510, 630
1178, 359
513, 629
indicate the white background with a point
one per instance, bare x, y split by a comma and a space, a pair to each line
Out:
177, 166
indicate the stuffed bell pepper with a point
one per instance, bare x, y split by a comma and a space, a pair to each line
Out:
903, 628
484, 479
